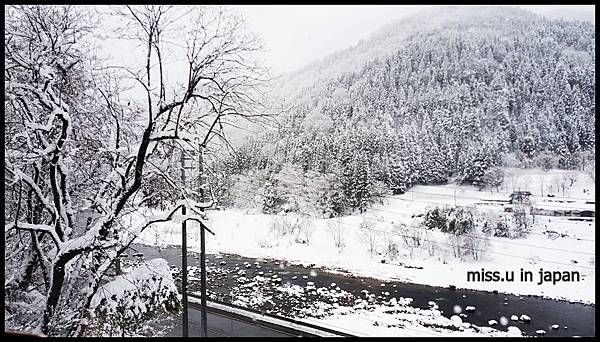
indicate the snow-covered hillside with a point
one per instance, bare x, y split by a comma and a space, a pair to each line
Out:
554, 243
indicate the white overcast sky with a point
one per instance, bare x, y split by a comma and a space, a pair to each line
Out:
295, 35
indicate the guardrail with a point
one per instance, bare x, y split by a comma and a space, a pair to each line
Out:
283, 324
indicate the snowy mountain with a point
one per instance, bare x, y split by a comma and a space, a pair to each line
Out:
449, 93
388, 39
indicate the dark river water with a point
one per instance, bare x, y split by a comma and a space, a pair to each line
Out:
574, 319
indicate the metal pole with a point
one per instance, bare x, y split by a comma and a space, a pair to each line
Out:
184, 258
202, 253
203, 283
184, 273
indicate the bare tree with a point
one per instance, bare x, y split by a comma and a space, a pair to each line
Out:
53, 91
337, 233
368, 235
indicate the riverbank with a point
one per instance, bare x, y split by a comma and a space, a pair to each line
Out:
247, 233
392, 308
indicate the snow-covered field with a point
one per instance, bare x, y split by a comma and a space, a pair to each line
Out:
248, 233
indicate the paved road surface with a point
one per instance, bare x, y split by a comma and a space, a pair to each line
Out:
221, 326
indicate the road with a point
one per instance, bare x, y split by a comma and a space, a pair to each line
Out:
222, 324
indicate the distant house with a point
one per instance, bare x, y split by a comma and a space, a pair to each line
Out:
519, 197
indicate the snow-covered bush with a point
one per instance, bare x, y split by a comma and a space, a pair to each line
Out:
435, 219
337, 233
368, 236
502, 229
305, 229
390, 247
456, 245
121, 307
476, 244
411, 237
264, 241
280, 227
431, 247
450, 220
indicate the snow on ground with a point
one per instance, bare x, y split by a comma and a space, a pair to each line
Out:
400, 320
561, 183
156, 276
247, 232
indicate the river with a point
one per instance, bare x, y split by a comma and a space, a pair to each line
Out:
224, 284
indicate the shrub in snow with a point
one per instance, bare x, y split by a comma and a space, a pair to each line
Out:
337, 232
123, 306
392, 250
450, 220
368, 236
501, 229
305, 229
281, 226
435, 219
412, 237
456, 245
430, 247
460, 221
263, 241
476, 244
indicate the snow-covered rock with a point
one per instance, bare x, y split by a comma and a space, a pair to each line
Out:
525, 318
457, 321
514, 332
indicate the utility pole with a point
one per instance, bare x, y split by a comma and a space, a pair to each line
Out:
184, 256
455, 197
202, 248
